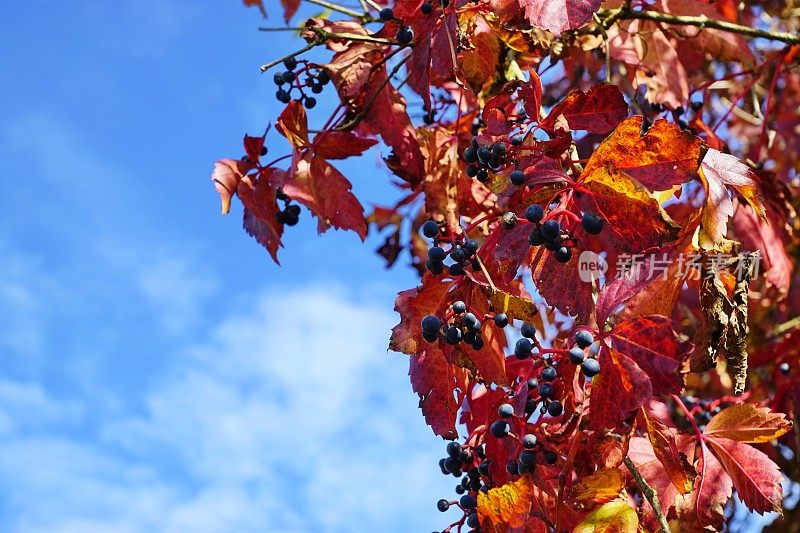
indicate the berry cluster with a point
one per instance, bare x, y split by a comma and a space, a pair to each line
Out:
464, 326
555, 238
404, 33
461, 252
527, 457
290, 215
460, 461
484, 159
314, 79
590, 366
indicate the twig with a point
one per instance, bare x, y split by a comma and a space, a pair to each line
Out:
603, 32
337, 7
649, 493
316, 42
701, 21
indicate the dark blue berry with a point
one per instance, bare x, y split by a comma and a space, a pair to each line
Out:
470, 247
426, 7
576, 355
453, 449
534, 213
288, 76
456, 269
583, 338
517, 139
529, 441
517, 177
590, 368
548, 373
386, 14
453, 335
459, 307
309, 102
482, 175
500, 429
563, 254
405, 35
484, 154
468, 502
506, 410
784, 368
536, 238
551, 230
434, 267
592, 223
431, 323
528, 330
443, 505
437, 253
555, 408
290, 63
501, 320
545, 390
430, 229
471, 154
523, 348
457, 255
527, 457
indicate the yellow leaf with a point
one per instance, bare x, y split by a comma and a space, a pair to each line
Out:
505, 507
514, 306
613, 517
599, 486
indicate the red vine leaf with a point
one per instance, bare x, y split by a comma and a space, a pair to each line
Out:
746, 422
504, 508
756, 478
434, 379
226, 176
599, 110
559, 16
413, 304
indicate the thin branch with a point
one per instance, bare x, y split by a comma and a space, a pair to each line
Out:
613, 15
306, 48
337, 7
326, 35
649, 493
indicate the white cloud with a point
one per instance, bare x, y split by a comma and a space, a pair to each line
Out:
290, 417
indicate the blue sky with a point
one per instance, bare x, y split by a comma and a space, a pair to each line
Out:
157, 371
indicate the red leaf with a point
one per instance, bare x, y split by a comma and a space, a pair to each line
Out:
256, 3
290, 7
434, 380
745, 422
388, 118
598, 111
704, 507
651, 342
530, 93
756, 478
619, 389
642, 454
260, 213
721, 171
226, 175
323, 189
340, 144
551, 277
253, 146
561, 15
413, 304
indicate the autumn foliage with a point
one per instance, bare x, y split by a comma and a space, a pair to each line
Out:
599, 198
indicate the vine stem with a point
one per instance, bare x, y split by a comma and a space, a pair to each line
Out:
700, 21
649, 493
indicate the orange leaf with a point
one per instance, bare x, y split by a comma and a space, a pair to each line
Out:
505, 507
293, 124
634, 219
614, 517
600, 486
666, 450
665, 156
746, 422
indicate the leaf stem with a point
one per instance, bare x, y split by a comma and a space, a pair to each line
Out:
649, 493
700, 21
